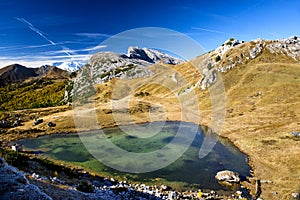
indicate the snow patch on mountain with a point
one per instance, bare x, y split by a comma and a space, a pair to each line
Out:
70, 66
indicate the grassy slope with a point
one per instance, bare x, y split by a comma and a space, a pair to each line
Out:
263, 107
261, 125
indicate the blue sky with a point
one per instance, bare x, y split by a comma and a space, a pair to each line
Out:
36, 32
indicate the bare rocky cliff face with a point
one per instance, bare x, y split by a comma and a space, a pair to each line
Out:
14, 185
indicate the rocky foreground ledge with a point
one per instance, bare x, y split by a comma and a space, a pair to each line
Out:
15, 185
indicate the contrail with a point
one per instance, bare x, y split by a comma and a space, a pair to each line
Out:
35, 30
30, 25
65, 49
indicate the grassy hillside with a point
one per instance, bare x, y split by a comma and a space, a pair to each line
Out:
36, 93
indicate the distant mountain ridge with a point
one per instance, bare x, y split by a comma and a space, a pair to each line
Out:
16, 73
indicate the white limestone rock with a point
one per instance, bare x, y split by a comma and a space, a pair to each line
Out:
228, 176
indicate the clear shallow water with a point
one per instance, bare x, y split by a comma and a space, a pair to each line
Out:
187, 172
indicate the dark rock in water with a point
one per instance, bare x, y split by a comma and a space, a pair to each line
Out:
51, 124
14, 185
37, 121
16, 123
4, 124
228, 176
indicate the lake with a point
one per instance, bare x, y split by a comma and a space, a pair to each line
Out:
186, 172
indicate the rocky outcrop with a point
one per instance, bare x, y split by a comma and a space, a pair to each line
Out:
234, 52
256, 50
228, 176
290, 47
14, 185
105, 66
152, 56
208, 78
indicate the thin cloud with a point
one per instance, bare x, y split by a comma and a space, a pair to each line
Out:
24, 47
93, 35
45, 57
70, 51
103, 35
63, 55
35, 30
36, 46
210, 30
95, 48
37, 61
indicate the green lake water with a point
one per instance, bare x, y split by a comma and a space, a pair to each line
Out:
187, 172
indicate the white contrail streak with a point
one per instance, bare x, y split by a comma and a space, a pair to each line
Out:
35, 30
39, 32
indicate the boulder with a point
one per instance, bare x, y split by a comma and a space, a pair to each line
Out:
295, 133
228, 176
14, 185
295, 195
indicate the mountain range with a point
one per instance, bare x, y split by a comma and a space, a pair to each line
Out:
260, 78
135, 58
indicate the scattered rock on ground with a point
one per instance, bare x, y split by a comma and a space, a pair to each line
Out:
296, 195
295, 133
228, 176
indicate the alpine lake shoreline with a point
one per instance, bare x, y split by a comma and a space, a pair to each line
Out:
172, 187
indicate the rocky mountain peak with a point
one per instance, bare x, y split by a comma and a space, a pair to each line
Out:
152, 56
137, 53
134, 64
104, 66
